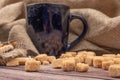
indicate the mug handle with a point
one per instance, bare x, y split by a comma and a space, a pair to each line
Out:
85, 25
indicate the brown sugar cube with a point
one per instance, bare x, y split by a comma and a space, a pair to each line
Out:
107, 58
41, 57
68, 65
81, 67
51, 58
81, 52
106, 64
12, 63
72, 53
66, 55
45, 62
114, 70
109, 55
90, 53
97, 61
1, 50
32, 66
87, 53
57, 63
84, 54
71, 58
14, 43
6, 48
22, 60
1, 44
78, 59
116, 60
118, 56
89, 60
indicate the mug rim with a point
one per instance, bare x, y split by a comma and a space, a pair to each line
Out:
57, 4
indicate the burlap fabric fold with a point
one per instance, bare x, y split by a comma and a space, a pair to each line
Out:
103, 31
103, 17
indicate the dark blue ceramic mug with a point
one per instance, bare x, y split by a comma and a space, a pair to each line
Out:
48, 27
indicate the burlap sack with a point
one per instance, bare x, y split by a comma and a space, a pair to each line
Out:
108, 7
6, 12
3, 3
13, 54
22, 39
86, 45
103, 31
98, 20
4, 30
4, 58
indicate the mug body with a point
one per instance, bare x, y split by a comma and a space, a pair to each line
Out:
48, 27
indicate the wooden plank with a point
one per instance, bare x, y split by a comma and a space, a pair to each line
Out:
8, 74
4, 78
92, 73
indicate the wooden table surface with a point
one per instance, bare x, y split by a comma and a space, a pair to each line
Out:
47, 73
